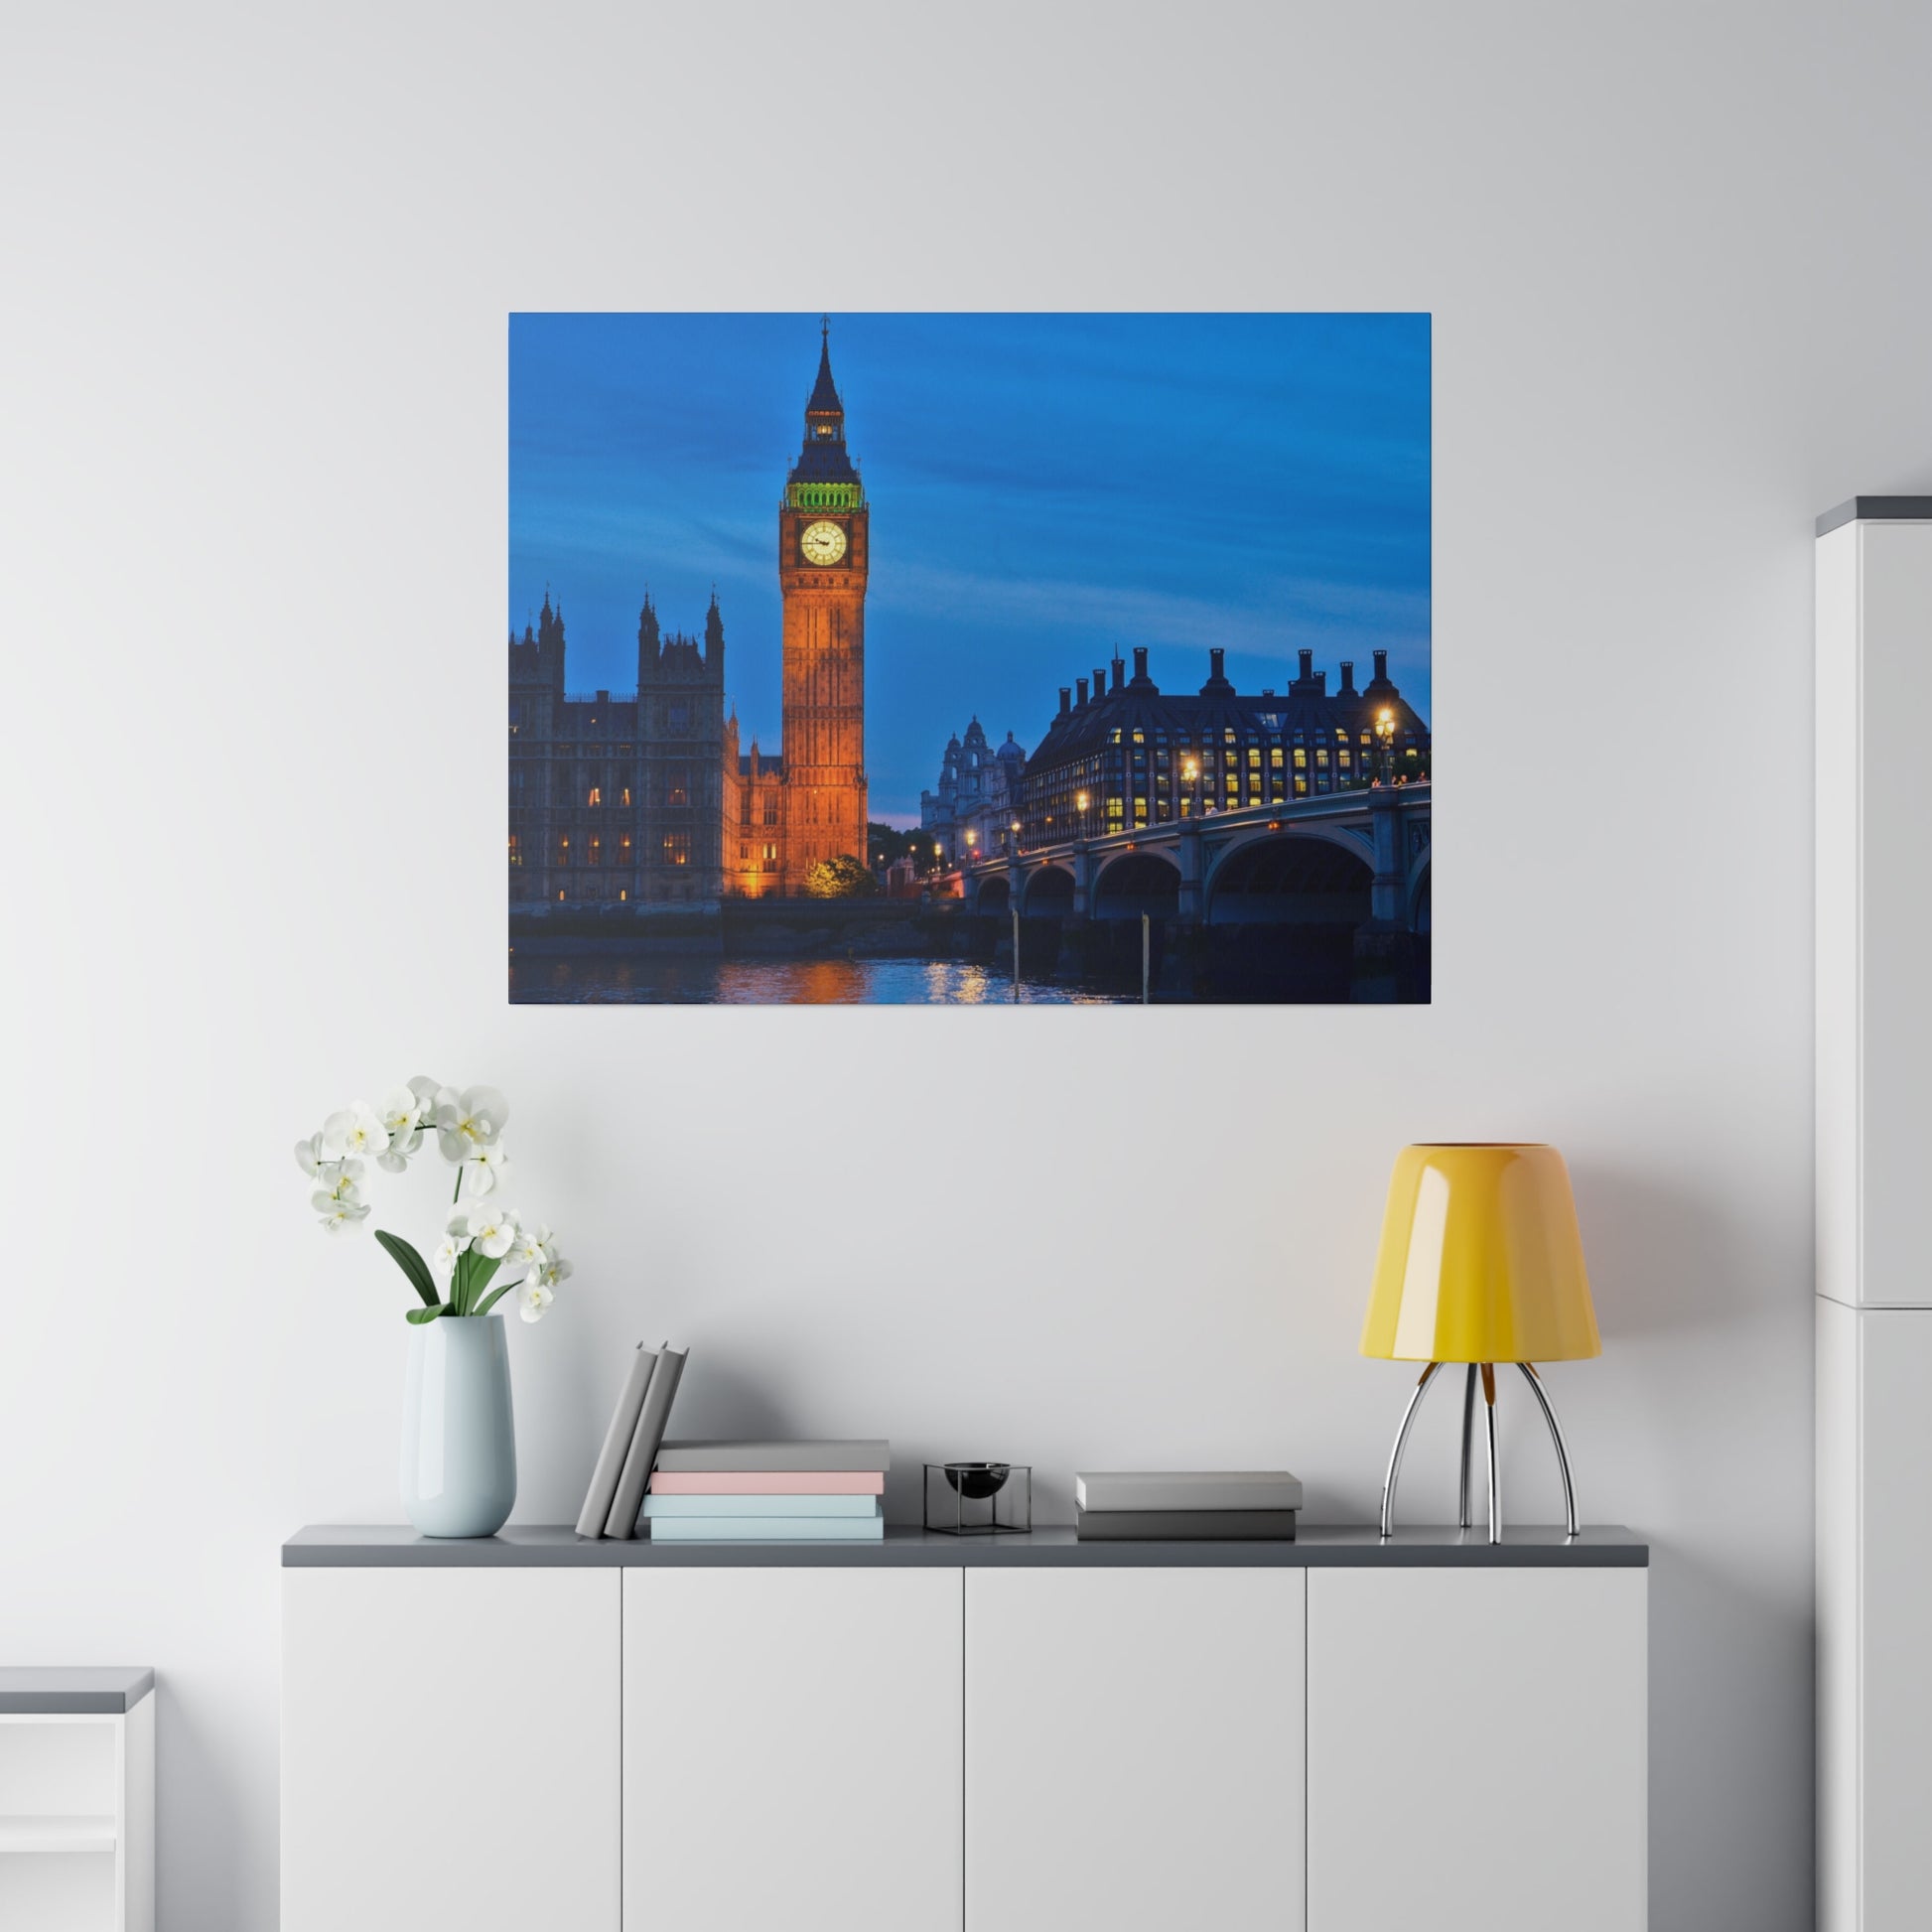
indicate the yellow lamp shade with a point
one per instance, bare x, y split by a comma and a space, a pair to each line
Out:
1480, 1260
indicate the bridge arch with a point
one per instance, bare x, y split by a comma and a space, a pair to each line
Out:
1133, 883
1048, 893
1419, 896
992, 893
1310, 877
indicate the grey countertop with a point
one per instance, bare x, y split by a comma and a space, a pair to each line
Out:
64, 1689
1318, 1546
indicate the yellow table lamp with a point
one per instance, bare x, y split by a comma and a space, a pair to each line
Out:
1481, 1262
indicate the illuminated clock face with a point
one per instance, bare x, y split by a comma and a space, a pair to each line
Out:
822, 543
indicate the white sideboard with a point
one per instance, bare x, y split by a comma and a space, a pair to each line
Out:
1874, 592
1022, 1735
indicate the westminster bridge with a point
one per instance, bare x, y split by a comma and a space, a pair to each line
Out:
1353, 859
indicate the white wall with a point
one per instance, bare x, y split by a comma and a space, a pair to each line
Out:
253, 548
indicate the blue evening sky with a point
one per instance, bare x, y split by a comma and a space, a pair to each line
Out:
1045, 491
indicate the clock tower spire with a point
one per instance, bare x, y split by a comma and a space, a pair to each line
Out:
823, 559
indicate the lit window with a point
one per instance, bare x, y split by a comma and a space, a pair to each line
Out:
1275, 759
624, 844
516, 849
596, 795
597, 849
626, 794
1300, 758
677, 848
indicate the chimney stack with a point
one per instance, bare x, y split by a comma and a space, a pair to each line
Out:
1081, 684
1381, 667
1347, 677
1066, 699
1140, 663
1307, 664
1216, 658
1120, 673
1099, 682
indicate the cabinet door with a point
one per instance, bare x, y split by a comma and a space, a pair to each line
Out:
1134, 1750
449, 1749
1477, 1750
791, 1750
1894, 1762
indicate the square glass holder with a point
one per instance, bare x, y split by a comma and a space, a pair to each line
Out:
979, 1498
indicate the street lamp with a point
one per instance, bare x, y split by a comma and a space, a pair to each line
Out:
1385, 737
1190, 770
1014, 829
1081, 802
972, 840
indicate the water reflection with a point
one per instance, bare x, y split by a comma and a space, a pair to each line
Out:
616, 981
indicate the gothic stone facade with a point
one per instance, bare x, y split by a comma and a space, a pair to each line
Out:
645, 800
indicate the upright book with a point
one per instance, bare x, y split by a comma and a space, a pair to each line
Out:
644, 1441
602, 1491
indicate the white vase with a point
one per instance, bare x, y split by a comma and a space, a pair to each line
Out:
459, 1439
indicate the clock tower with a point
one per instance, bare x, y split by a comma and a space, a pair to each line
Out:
822, 564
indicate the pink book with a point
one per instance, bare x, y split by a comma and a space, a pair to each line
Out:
770, 1482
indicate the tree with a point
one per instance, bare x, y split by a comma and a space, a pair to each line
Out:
841, 878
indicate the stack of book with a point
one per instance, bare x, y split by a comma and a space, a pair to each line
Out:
776, 1492
631, 1444
1227, 1505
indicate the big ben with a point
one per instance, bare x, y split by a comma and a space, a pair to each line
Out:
822, 565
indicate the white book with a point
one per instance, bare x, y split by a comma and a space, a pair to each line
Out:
1188, 1490
767, 1529
659, 1507
616, 1445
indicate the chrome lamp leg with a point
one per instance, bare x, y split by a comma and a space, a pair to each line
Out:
1556, 1436
1465, 1519
1401, 1438
1495, 1468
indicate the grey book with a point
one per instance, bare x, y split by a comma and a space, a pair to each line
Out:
616, 1445
1187, 1526
1189, 1489
739, 1459
644, 1440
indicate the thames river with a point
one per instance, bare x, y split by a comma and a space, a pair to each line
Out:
675, 981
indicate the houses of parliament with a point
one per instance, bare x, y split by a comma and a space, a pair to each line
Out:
644, 799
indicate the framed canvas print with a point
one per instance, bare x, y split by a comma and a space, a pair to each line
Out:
1104, 677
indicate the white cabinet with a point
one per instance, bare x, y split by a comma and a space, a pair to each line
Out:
1134, 1750
77, 1817
449, 1749
792, 1754
1875, 1265
535, 1734
1477, 1750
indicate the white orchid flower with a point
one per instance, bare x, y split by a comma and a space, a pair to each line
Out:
487, 1170
551, 1271
339, 1181
532, 1298
532, 1247
427, 1092
491, 1231
357, 1130
340, 1213
395, 1158
400, 1111
308, 1156
469, 1121
444, 1260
